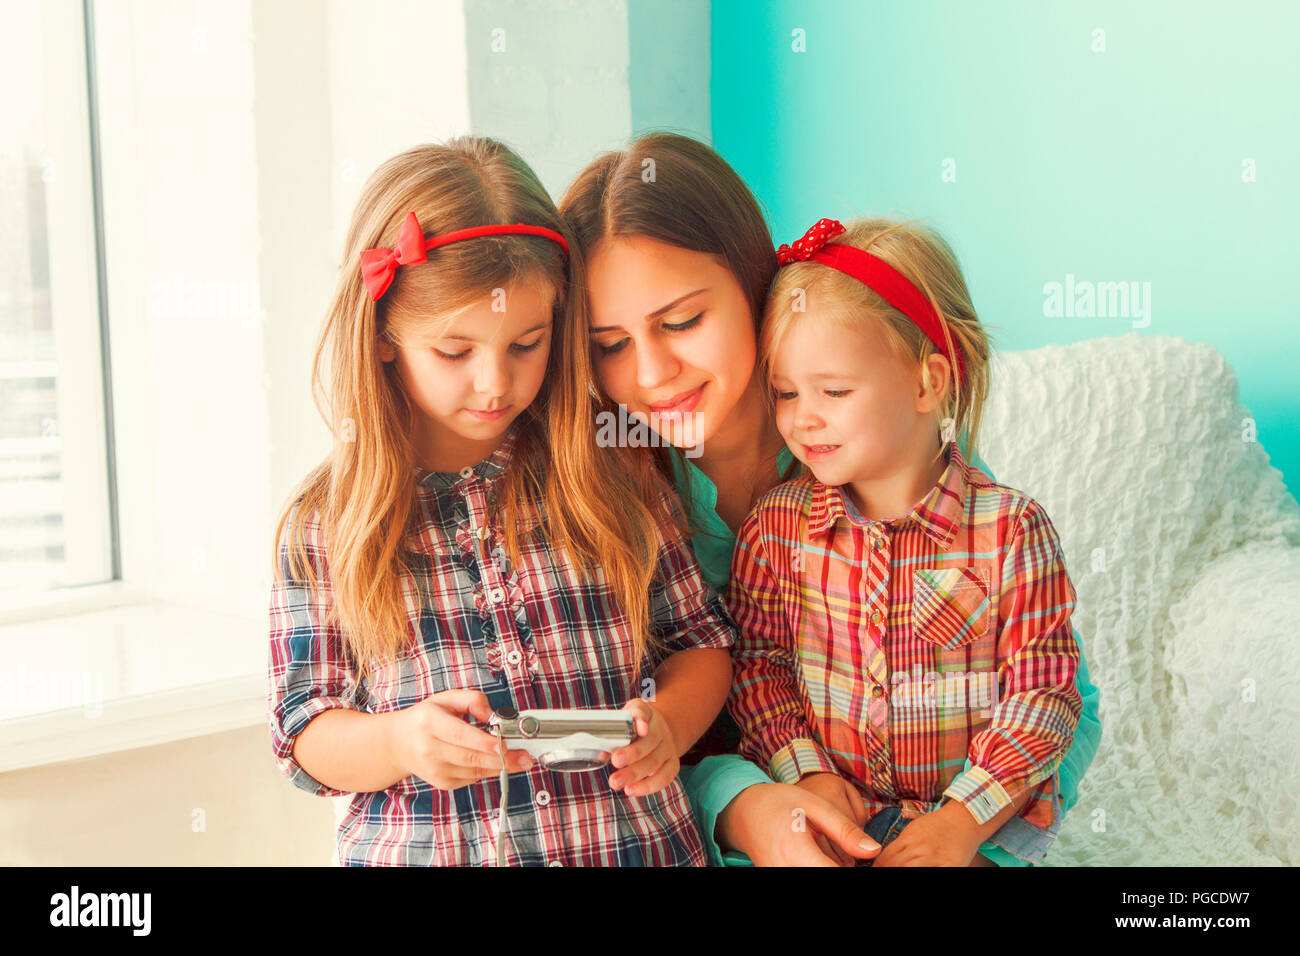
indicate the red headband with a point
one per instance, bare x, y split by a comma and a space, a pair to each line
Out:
378, 266
877, 274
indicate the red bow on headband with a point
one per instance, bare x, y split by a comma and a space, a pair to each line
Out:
803, 249
878, 275
378, 266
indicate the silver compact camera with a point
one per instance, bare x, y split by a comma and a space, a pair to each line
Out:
567, 740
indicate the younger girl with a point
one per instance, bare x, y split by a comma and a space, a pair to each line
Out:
466, 546
905, 645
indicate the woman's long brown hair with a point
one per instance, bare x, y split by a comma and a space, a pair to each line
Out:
679, 191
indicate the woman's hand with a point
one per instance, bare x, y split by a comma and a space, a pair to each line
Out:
649, 763
844, 797
432, 741
777, 824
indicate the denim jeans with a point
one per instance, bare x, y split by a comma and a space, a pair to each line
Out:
884, 827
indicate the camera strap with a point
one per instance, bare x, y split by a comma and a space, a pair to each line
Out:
503, 817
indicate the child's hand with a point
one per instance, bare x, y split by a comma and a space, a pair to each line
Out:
433, 741
948, 836
843, 796
649, 763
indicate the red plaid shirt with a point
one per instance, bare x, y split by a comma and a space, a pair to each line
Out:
535, 636
895, 652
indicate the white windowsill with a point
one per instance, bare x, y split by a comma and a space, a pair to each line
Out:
76, 685
17, 607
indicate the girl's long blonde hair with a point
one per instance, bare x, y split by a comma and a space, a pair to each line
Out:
928, 262
599, 504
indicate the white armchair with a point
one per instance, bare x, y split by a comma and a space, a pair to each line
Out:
1184, 547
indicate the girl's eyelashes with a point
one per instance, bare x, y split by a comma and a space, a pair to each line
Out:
622, 343
514, 347
831, 392
526, 348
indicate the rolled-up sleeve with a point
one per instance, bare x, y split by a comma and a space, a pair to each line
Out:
1038, 709
686, 613
309, 667
711, 785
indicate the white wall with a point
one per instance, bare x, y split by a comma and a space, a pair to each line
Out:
208, 801
397, 78
551, 80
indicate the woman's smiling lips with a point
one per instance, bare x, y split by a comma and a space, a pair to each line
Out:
678, 405
489, 416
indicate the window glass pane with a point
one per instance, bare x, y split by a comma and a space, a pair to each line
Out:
54, 515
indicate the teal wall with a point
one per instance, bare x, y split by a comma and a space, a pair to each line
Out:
1123, 165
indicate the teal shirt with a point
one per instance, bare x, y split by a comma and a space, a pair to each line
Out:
715, 781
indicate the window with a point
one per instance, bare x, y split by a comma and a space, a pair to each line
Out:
56, 524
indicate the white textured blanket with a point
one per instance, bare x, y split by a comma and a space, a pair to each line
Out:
1184, 548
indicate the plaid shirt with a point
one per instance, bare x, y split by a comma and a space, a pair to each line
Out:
535, 636
890, 652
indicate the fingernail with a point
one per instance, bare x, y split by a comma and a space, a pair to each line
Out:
869, 845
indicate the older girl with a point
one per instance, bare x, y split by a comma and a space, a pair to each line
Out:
466, 546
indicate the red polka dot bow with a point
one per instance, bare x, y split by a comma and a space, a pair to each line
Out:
805, 248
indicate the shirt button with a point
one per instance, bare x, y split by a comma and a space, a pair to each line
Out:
876, 617
467, 472
498, 595
555, 863
543, 797
514, 657
876, 690
877, 542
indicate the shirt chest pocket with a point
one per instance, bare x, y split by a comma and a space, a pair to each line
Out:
950, 606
